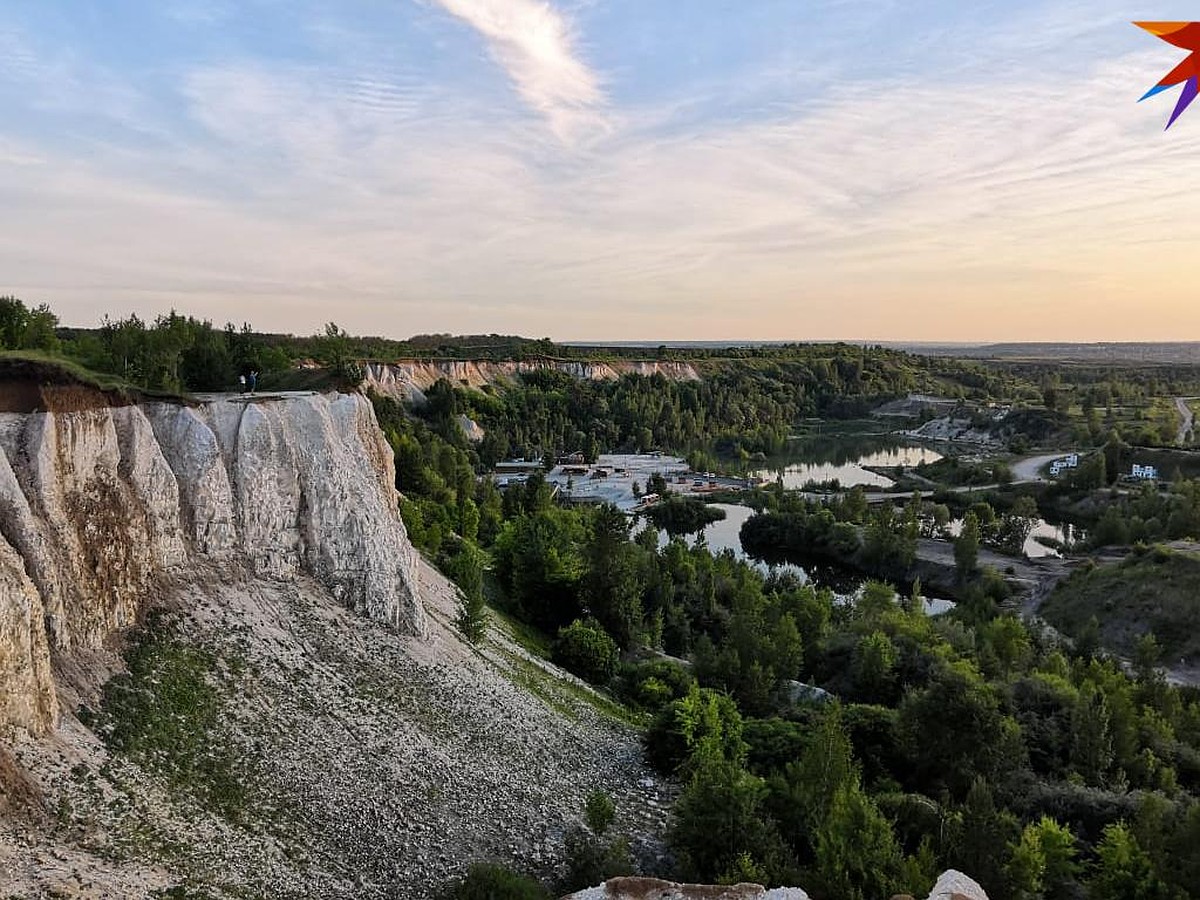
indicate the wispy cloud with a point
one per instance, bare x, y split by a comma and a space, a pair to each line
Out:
534, 44
380, 188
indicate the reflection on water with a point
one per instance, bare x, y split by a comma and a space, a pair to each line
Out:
1058, 536
846, 585
842, 458
1066, 534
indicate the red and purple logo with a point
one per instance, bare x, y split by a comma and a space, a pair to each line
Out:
1187, 73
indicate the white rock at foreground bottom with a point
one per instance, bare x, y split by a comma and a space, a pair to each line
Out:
955, 885
653, 889
952, 885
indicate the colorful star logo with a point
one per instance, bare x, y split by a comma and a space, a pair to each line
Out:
1187, 73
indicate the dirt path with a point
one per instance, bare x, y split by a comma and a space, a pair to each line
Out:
1029, 469
1186, 421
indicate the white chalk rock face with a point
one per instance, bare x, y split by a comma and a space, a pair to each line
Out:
409, 379
96, 504
27, 699
954, 885
194, 455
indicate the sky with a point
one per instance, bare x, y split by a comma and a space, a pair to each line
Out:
603, 169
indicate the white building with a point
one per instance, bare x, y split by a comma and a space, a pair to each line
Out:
1067, 462
1144, 472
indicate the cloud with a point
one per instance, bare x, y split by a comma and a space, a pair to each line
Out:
297, 191
534, 44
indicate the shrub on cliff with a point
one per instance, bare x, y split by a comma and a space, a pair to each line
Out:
466, 569
586, 649
489, 881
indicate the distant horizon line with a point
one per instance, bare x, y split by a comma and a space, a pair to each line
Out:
891, 342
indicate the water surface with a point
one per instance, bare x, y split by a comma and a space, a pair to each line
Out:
842, 458
845, 584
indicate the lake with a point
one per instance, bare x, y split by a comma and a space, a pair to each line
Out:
726, 535
842, 457
1034, 549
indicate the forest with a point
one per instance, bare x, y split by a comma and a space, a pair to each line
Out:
857, 748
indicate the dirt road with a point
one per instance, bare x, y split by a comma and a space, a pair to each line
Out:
1029, 469
1186, 421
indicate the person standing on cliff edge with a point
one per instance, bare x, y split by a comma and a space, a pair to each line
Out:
242, 383
253, 382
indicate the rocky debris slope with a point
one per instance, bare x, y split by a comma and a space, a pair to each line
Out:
99, 504
951, 886
367, 764
409, 379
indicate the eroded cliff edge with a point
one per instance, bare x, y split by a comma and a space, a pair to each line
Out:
409, 379
97, 505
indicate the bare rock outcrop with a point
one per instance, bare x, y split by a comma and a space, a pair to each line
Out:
634, 888
952, 885
97, 504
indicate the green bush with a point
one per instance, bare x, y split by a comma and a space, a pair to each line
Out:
489, 881
651, 685
587, 650
703, 721
599, 812
591, 860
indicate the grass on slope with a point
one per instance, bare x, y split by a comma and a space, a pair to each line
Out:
165, 715
556, 692
1155, 590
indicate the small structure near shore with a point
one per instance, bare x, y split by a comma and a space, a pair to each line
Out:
1060, 465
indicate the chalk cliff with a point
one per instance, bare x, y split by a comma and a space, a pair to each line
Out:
101, 501
408, 379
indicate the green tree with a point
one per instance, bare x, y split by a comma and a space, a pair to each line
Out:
721, 826
466, 570
591, 858
1017, 524
966, 547
599, 811
612, 585
14, 319
538, 559
1091, 732
874, 665
702, 722
1115, 453
336, 353
586, 649
979, 829
802, 794
858, 857
1008, 640
876, 600
1043, 861
953, 730
1124, 871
